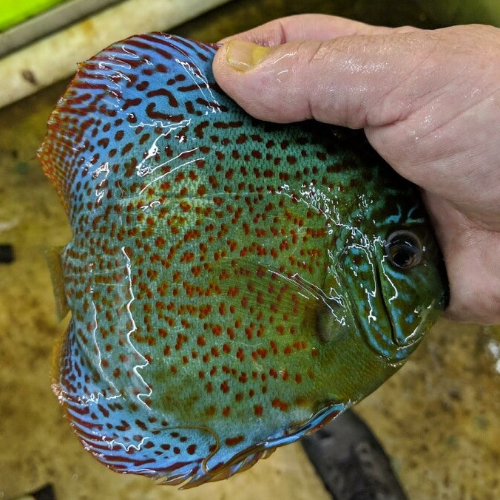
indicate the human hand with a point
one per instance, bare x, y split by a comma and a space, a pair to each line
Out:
429, 102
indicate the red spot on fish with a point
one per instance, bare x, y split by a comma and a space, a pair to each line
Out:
233, 441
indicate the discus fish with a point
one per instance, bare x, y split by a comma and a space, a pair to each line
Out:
234, 284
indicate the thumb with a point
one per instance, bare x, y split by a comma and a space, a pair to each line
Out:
352, 81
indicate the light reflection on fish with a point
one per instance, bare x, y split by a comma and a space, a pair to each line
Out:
234, 284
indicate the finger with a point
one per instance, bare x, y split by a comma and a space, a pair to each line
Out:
306, 27
345, 80
472, 264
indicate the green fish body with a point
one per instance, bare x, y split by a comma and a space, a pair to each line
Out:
233, 284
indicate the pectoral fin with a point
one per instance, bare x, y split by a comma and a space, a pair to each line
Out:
53, 257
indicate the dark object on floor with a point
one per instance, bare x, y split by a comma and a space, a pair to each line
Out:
6, 254
351, 462
44, 493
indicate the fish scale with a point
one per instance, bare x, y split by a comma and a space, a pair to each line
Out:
226, 276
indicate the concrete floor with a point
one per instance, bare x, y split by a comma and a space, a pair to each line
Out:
437, 418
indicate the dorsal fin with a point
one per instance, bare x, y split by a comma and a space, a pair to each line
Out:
106, 91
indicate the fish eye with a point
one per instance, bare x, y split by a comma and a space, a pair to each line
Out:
403, 249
